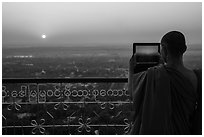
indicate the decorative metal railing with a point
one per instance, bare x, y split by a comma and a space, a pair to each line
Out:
66, 106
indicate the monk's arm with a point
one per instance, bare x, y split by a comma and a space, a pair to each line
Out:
130, 76
197, 121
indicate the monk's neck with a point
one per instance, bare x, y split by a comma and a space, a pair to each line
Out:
175, 62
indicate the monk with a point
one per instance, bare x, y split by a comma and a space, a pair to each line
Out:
167, 98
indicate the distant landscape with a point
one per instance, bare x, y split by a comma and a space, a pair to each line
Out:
55, 62
65, 62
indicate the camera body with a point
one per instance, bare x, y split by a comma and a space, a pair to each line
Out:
145, 55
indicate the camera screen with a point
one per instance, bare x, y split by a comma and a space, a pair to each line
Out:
146, 49
146, 55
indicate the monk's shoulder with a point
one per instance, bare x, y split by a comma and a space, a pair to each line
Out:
190, 75
198, 72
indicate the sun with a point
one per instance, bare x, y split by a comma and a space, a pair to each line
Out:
43, 36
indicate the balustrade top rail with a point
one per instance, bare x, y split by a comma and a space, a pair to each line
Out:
66, 80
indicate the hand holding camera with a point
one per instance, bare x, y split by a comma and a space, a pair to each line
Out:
145, 55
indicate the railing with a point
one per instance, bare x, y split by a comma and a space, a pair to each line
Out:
66, 106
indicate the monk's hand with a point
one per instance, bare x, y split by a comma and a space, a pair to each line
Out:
131, 64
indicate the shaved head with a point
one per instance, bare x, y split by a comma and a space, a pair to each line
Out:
175, 43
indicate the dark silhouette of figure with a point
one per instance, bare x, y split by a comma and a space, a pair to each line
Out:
167, 98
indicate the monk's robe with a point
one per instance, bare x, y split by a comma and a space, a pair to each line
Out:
165, 102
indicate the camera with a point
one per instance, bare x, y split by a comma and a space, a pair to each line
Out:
146, 55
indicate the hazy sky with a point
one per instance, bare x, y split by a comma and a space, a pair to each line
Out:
98, 23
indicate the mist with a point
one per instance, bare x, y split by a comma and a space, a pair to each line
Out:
98, 24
